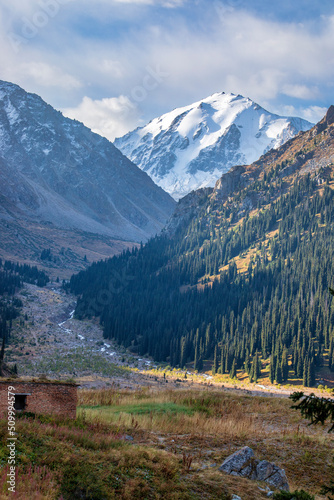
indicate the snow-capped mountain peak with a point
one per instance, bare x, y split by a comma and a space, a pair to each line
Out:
191, 147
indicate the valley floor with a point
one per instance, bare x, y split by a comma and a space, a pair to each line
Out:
181, 426
49, 341
164, 444
202, 427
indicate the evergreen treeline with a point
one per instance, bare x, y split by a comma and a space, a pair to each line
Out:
26, 273
12, 277
279, 308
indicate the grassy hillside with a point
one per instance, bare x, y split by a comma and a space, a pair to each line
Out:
163, 444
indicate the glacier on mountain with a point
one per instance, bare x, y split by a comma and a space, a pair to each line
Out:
191, 147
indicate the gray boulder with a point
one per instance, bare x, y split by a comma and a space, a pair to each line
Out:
264, 470
243, 463
278, 479
240, 460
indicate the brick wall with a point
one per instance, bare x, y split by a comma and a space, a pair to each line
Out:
46, 397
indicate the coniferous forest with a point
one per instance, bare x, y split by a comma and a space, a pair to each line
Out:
239, 284
12, 276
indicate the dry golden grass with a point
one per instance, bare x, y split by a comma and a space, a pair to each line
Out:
208, 425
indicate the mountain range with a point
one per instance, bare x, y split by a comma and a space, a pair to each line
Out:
191, 147
239, 279
55, 174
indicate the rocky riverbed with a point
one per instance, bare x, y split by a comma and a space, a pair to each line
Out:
48, 340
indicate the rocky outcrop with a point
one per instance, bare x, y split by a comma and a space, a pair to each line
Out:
244, 464
330, 115
237, 178
327, 120
187, 208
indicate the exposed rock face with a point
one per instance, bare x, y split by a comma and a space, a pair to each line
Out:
55, 170
330, 115
244, 464
237, 178
186, 208
327, 120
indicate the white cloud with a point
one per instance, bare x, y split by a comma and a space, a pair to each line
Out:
163, 3
112, 68
106, 52
248, 55
111, 117
261, 84
40, 75
33, 13
311, 113
49, 76
300, 91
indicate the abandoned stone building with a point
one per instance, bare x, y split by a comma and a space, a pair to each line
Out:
41, 397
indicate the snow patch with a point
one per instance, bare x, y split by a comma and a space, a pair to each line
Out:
191, 147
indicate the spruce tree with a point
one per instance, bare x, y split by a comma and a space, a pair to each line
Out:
278, 374
272, 369
215, 362
305, 373
247, 365
285, 366
233, 372
318, 411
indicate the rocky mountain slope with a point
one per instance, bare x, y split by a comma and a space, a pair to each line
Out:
60, 183
56, 170
310, 152
191, 147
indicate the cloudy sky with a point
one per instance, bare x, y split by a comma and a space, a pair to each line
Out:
116, 64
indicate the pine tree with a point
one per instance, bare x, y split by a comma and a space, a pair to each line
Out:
227, 361
272, 369
310, 374
280, 310
278, 374
233, 372
215, 362
285, 366
197, 351
305, 373
258, 366
247, 365
318, 411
